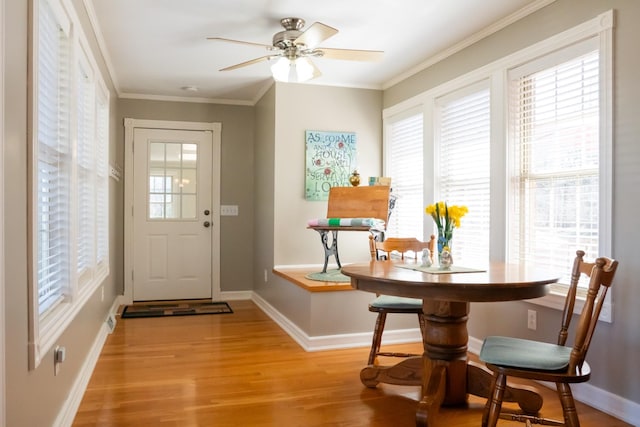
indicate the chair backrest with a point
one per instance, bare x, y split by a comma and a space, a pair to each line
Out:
601, 273
401, 245
359, 202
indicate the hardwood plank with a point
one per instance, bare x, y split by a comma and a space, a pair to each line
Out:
241, 369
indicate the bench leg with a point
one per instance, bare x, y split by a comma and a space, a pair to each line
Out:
329, 249
377, 236
334, 247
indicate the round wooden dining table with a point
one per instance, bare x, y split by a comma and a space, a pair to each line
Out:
444, 371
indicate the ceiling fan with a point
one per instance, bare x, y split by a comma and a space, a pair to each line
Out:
293, 47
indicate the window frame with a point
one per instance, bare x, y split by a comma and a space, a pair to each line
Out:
45, 328
601, 28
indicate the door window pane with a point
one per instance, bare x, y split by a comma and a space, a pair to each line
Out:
172, 181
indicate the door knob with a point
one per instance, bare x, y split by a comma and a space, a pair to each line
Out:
207, 212
207, 224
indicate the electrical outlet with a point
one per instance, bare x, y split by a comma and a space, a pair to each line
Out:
265, 275
102, 293
532, 319
59, 355
111, 322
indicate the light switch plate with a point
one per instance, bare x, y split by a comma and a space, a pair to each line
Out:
229, 210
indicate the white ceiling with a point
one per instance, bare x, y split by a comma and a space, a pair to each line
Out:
155, 48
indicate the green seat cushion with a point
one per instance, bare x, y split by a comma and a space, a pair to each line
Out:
396, 303
521, 353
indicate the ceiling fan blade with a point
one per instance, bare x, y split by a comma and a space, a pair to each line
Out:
252, 61
315, 34
242, 42
351, 54
316, 70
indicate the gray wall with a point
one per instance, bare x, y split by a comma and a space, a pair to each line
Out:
265, 117
40, 389
236, 175
282, 211
328, 109
619, 341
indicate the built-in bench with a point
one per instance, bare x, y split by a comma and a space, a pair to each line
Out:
298, 276
352, 209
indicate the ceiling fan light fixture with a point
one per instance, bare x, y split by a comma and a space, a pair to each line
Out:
293, 47
292, 70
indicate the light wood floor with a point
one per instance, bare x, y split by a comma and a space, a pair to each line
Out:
241, 369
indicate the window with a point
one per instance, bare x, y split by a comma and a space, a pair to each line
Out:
405, 165
69, 202
85, 165
526, 143
463, 165
53, 173
554, 116
102, 177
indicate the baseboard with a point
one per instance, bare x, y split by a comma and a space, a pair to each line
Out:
332, 342
588, 394
236, 295
70, 407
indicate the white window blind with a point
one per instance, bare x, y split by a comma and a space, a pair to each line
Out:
86, 167
102, 176
405, 167
463, 144
555, 118
53, 158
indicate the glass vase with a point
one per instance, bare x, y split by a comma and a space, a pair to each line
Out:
444, 251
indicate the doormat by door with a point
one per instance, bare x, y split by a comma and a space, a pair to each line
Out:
174, 308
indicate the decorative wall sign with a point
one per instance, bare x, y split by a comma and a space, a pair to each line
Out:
331, 158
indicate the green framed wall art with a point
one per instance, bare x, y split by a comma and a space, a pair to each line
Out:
330, 159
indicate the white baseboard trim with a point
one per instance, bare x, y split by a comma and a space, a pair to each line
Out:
588, 394
236, 295
68, 411
332, 342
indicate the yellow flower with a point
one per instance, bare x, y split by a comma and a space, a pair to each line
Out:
446, 217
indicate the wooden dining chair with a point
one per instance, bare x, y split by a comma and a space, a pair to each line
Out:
384, 304
557, 363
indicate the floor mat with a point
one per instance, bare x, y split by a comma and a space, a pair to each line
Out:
329, 276
174, 308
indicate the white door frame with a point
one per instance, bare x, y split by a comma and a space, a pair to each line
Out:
215, 128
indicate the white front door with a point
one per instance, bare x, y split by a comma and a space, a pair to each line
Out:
172, 214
